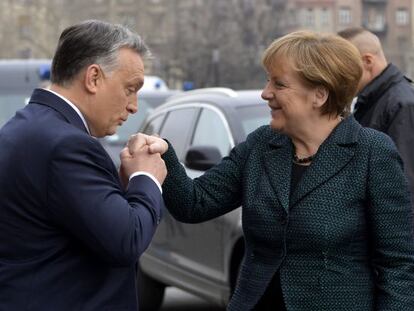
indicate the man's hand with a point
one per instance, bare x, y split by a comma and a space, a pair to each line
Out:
143, 153
155, 143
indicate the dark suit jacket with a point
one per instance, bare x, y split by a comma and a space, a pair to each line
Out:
342, 241
70, 237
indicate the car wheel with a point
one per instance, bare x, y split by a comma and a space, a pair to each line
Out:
150, 292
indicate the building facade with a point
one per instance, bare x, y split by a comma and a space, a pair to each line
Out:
210, 42
390, 20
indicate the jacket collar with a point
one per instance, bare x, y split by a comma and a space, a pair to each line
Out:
334, 153
377, 87
43, 97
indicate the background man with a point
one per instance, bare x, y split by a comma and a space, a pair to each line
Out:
70, 234
386, 98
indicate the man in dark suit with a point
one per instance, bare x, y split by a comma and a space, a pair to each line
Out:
71, 231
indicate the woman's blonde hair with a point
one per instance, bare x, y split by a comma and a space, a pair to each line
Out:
321, 60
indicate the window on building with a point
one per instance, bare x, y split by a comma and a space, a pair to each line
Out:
292, 17
309, 17
377, 23
402, 17
24, 26
345, 17
325, 17
374, 19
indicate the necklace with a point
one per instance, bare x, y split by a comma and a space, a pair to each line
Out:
302, 160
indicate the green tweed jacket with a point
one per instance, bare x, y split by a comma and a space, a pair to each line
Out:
342, 241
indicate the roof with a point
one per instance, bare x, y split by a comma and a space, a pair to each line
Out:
221, 97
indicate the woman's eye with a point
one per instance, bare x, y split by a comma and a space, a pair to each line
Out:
279, 84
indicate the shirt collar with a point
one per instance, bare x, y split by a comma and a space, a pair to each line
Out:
73, 107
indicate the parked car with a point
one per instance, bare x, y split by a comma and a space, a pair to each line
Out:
148, 100
202, 125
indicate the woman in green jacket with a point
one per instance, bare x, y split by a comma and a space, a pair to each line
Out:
326, 213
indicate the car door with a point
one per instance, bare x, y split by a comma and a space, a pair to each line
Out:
151, 127
176, 126
198, 247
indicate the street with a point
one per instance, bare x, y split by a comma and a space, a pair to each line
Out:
178, 300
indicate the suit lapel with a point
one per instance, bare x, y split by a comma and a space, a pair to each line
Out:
332, 156
46, 98
278, 166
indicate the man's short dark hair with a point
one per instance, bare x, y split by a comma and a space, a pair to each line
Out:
92, 42
350, 33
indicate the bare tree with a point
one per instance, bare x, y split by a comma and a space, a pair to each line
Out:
221, 42
208, 42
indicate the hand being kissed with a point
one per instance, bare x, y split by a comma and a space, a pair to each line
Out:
143, 154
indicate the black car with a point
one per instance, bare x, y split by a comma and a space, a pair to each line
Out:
202, 125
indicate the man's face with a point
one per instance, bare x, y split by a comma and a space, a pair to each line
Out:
117, 95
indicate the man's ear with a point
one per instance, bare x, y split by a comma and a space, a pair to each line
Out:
367, 61
93, 77
321, 96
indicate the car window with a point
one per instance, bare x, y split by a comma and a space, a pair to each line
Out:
253, 117
134, 122
211, 131
177, 128
147, 102
154, 125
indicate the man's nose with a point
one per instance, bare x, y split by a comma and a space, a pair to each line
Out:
133, 105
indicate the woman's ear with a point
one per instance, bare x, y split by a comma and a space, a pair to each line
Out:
321, 96
93, 77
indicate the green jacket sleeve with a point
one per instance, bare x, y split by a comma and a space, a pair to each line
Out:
216, 192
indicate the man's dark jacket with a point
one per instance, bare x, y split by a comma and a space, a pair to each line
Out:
387, 105
70, 236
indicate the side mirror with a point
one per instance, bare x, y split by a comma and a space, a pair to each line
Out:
202, 158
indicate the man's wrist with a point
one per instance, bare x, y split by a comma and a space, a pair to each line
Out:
148, 175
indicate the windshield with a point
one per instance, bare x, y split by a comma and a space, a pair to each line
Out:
9, 104
253, 117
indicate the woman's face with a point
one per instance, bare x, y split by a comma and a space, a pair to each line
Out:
289, 98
